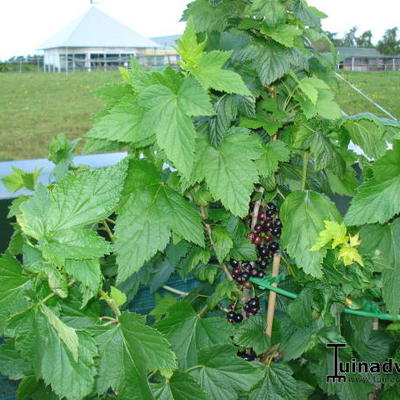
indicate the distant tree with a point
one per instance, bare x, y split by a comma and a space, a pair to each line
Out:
350, 38
334, 39
390, 44
365, 39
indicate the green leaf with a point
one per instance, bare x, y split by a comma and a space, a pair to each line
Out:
300, 309
30, 388
251, 334
378, 198
283, 34
78, 244
125, 122
229, 170
188, 332
223, 243
303, 214
132, 349
274, 153
333, 232
64, 332
272, 10
61, 152
223, 375
118, 296
180, 387
368, 135
12, 364
278, 384
87, 272
209, 71
170, 111
325, 153
75, 202
270, 60
145, 222
21, 179
163, 304
12, 286
41, 336
382, 244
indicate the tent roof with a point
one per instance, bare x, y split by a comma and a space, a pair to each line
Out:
360, 52
167, 42
97, 29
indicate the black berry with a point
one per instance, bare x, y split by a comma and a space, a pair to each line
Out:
258, 228
271, 206
262, 215
273, 247
261, 274
276, 231
257, 240
278, 223
238, 318
245, 276
268, 225
263, 251
254, 302
230, 315
263, 264
234, 263
253, 272
270, 213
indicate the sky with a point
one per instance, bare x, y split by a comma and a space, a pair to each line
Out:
25, 24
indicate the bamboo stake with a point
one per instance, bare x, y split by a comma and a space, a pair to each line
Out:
272, 295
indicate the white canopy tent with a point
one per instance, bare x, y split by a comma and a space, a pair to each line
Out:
95, 40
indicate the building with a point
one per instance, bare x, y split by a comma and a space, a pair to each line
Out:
366, 59
94, 41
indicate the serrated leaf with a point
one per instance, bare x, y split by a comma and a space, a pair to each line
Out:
378, 198
146, 219
333, 232
349, 255
368, 135
225, 288
20, 179
77, 244
283, 34
278, 384
87, 272
12, 364
209, 71
272, 10
382, 244
12, 284
271, 61
251, 334
171, 110
40, 339
223, 243
188, 332
303, 214
325, 153
180, 387
229, 170
274, 152
75, 202
163, 304
133, 349
223, 375
118, 296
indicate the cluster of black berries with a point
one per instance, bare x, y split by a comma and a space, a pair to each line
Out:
234, 318
242, 273
252, 307
267, 228
248, 355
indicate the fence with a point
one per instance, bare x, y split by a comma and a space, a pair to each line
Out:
82, 62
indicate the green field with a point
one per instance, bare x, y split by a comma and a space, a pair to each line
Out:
36, 107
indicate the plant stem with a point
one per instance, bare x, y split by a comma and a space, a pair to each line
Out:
111, 221
203, 310
108, 230
111, 303
272, 295
306, 157
204, 215
176, 291
193, 368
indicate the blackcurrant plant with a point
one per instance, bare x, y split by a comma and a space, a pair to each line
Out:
237, 165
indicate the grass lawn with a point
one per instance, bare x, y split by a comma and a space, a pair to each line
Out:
36, 107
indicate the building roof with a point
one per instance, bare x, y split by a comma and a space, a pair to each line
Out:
97, 29
166, 42
360, 52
